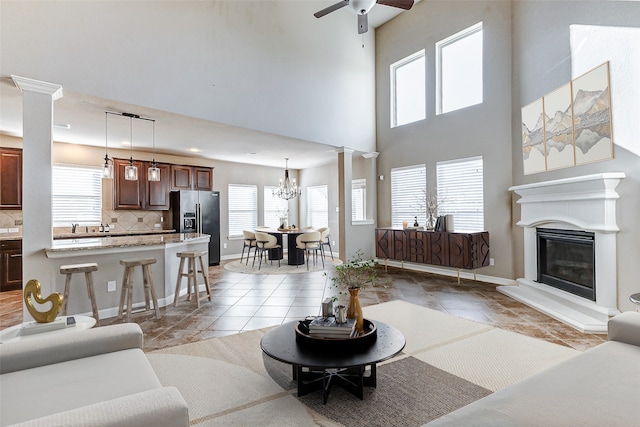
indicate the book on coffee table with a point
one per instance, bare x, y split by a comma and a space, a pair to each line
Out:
328, 327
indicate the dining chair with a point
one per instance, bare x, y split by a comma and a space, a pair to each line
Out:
249, 242
310, 242
324, 239
264, 243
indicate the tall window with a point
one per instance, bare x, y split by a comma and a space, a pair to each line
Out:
459, 70
317, 206
359, 199
408, 96
408, 189
274, 207
461, 189
76, 195
243, 208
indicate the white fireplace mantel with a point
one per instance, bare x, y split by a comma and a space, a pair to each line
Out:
580, 203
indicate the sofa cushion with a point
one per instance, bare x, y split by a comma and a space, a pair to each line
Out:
598, 387
49, 389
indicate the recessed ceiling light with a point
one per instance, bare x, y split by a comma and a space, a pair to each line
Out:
194, 150
62, 125
127, 143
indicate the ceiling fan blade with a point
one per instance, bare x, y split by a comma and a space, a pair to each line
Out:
363, 24
402, 4
331, 8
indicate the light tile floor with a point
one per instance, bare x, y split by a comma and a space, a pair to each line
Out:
243, 302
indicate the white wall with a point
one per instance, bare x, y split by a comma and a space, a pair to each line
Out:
260, 64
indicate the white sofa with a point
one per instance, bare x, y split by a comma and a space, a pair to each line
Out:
600, 387
95, 377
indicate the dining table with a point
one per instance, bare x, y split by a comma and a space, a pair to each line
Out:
295, 256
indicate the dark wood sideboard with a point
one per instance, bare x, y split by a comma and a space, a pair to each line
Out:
466, 251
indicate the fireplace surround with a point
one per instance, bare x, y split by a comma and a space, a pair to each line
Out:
584, 204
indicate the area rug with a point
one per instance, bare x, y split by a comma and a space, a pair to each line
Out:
284, 268
447, 363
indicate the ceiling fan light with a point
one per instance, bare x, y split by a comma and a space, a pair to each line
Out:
361, 7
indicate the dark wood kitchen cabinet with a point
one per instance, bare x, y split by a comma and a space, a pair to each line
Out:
127, 195
156, 193
10, 178
141, 194
11, 262
191, 178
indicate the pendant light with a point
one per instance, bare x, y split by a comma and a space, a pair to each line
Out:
107, 169
153, 173
287, 189
131, 171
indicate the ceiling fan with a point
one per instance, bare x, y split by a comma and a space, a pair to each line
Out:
362, 7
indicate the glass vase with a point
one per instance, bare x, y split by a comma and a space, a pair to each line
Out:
354, 310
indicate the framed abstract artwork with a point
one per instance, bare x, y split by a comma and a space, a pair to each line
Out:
592, 133
533, 148
558, 128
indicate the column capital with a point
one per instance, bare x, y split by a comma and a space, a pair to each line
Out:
32, 85
345, 150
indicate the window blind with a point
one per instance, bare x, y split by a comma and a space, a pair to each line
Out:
243, 208
274, 207
358, 199
461, 189
408, 189
76, 195
317, 206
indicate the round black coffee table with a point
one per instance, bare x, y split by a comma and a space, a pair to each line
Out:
315, 368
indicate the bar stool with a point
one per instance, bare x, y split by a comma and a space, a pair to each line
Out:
127, 285
87, 269
192, 275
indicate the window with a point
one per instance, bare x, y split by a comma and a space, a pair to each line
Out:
408, 96
460, 187
243, 208
274, 207
459, 70
317, 206
359, 199
76, 195
408, 187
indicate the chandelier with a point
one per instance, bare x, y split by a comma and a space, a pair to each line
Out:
287, 189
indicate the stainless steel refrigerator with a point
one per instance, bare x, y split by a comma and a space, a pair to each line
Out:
198, 212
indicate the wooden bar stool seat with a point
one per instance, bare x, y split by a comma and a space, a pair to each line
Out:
87, 269
192, 275
127, 286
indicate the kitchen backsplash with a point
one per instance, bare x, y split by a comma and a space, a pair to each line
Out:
123, 221
11, 222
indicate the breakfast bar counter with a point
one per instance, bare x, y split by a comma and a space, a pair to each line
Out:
63, 248
107, 252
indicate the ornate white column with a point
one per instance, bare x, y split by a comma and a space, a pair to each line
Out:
37, 145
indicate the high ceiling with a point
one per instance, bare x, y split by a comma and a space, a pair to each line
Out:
80, 119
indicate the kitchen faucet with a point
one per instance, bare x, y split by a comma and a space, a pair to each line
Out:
73, 227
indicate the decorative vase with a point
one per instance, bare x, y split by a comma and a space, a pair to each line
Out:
354, 311
431, 222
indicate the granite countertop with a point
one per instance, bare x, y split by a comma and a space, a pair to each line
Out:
58, 236
66, 245
82, 235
